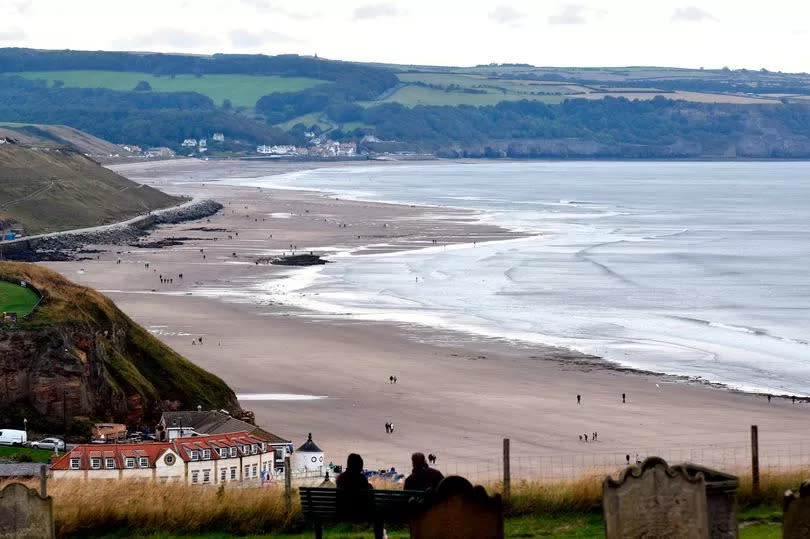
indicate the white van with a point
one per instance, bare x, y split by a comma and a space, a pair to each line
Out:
13, 437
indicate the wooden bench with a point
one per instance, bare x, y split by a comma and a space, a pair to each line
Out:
321, 505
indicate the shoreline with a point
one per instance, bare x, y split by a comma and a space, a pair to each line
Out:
457, 393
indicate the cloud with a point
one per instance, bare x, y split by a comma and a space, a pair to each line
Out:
504, 14
21, 6
244, 40
167, 37
692, 14
12, 34
375, 11
576, 14
271, 7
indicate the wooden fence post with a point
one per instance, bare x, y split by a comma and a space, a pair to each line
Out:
755, 460
287, 486
507, 474
43, 481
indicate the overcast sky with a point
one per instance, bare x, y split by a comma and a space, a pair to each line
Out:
708, 33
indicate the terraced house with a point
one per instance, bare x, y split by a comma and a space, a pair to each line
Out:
197, 460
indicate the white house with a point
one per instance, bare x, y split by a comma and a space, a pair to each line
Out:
218, 137
189, 143
308, 457
198, 460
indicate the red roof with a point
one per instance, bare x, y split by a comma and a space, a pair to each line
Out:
213, 442
151, 450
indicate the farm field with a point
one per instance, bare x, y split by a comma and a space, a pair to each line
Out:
413, 95
16, 299
242, 90
308, 120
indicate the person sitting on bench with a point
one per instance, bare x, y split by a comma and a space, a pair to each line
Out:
423, 476
355, 500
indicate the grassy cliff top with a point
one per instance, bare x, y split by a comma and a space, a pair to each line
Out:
136, 361
53, 190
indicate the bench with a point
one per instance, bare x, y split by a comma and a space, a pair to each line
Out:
321, 505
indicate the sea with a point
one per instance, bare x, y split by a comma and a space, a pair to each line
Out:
697, 269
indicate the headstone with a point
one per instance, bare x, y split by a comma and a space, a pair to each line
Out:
457, 510
796, 519
655, 500
721, 500
25, 514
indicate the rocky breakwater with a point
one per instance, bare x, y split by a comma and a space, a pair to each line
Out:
78, 358
64, 245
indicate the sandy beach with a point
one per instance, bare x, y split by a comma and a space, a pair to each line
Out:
457, 395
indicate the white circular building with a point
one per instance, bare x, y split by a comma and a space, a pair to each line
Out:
308, 457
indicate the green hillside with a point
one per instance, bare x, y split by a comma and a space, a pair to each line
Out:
47, 191
16, 299
111, 367
241, 90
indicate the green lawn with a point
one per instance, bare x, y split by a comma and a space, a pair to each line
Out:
760, 523
413, 95
242, 90
13, 453
313, 118
16, 299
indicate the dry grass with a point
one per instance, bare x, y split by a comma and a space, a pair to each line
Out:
93, 508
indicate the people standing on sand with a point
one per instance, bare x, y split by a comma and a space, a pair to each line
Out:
595, 435
390, 379
623, 398
391, 424
422, 476
769, 398
395, 379
387, 427
579, 399
586, 438
580, 437
627, 456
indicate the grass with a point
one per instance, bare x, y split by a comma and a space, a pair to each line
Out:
53, 191
25, 454
413, 95
242, 90
16, 299
136, 366
308, 120
565, 510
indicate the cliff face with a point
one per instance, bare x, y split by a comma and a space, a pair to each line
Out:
84, 359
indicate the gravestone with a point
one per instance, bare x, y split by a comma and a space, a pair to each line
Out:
655, 500
721, 500
796, 520
24, 514
457, 510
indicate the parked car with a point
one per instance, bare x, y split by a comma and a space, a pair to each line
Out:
49, 443
13, 437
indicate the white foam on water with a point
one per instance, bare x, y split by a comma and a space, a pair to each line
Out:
278, 397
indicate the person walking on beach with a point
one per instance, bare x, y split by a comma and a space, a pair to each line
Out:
627, 456
391, 424
387, 427
586, 438
579, 399
390, 379
769, 398
623, 398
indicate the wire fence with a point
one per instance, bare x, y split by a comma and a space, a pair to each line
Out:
774, 458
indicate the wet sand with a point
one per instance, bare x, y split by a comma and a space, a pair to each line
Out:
457, 395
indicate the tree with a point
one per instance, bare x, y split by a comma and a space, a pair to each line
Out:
143, 86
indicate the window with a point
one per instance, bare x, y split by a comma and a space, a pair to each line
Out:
233, 451
223, 475
233, 473
109, 463
192, 455
129, 462
95, 463
223, 452
75, 464
206, 454
263, 447
144, 462
195, 476
255, 470
206, 476
246, 474
254, 449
